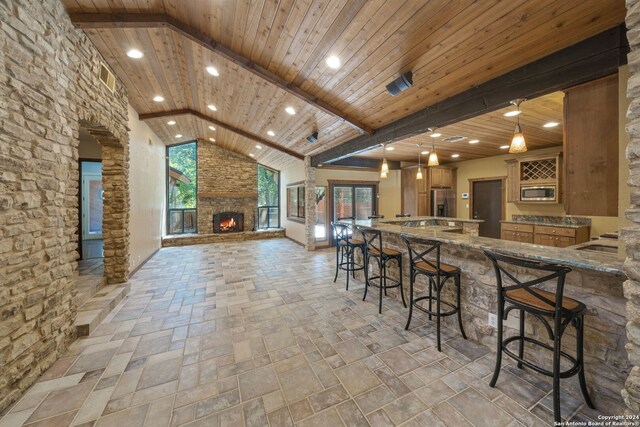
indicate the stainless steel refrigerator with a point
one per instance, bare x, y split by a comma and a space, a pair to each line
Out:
443, 203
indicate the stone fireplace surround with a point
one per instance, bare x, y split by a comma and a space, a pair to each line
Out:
227, 182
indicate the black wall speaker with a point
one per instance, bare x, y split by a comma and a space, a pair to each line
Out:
401, 84
313, 137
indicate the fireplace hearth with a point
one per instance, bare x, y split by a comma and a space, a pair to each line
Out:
228, 222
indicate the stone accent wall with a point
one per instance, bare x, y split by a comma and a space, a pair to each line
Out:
223, 171
48, 84
631, 235
310, 205
606, 363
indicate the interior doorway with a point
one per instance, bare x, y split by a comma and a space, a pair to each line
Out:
487, 201
91, 210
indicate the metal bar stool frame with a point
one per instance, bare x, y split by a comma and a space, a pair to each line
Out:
560, 318
438, 277
376, 251
346, 247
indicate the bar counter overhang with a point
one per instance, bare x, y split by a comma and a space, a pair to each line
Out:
596, 280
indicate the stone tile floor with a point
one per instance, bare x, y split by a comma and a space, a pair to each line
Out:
257, 334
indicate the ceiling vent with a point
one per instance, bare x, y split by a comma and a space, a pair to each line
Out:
455, 138
401, 84
107, 78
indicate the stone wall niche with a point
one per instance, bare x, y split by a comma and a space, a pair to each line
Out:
227, 182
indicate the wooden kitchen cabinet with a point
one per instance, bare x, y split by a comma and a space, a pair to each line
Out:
415, 193
517, 232
516, 236
591, 148
513, 181
547, 235
440, 177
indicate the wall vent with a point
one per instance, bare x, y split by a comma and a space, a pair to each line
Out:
107, 78
455, 139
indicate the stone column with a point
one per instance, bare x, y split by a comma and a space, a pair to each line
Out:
310, 205
631, 235
115, 217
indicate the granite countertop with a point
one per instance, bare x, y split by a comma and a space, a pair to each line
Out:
610, 243
572, 258
427, 218
546, 224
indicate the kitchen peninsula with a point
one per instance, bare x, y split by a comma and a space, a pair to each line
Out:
596, 280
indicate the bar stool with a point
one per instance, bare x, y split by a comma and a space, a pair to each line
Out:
554, 310
345, 248
373, 249
438, 273
376, 217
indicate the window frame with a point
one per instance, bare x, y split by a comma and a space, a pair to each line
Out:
269, 207
167, 177
299, 189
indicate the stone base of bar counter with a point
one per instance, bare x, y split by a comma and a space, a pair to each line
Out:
606, 361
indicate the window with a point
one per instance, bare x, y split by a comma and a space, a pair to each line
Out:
268, 197
295, 201
182, 165
321, 214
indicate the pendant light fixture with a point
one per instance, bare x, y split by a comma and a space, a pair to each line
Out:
518, 144
433, 157
384, 170
419, 174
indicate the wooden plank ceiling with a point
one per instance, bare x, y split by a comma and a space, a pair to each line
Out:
492, 131
449, 45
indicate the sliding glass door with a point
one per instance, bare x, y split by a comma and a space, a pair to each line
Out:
353, 200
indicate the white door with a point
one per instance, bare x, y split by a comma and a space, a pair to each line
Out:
92, 195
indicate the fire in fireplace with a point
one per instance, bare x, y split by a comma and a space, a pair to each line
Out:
228, 222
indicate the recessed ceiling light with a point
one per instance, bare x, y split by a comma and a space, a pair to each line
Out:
512, 113
171, 122
550, 124
213, 71
212, 128
259, 147
179, 135
424, 152
455, 156
135, 54
158, 98
435, 135
474, 141
504, 147
290, 110
333, 62
212, 139
212, 107
390, 148
271, 133
251, 154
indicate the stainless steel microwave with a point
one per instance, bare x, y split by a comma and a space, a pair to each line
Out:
541, 193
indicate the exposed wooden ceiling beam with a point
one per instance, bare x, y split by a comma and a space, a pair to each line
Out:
590, 59
155, 20
173, 113
364, 163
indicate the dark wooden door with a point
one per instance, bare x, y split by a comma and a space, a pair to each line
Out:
487, 205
